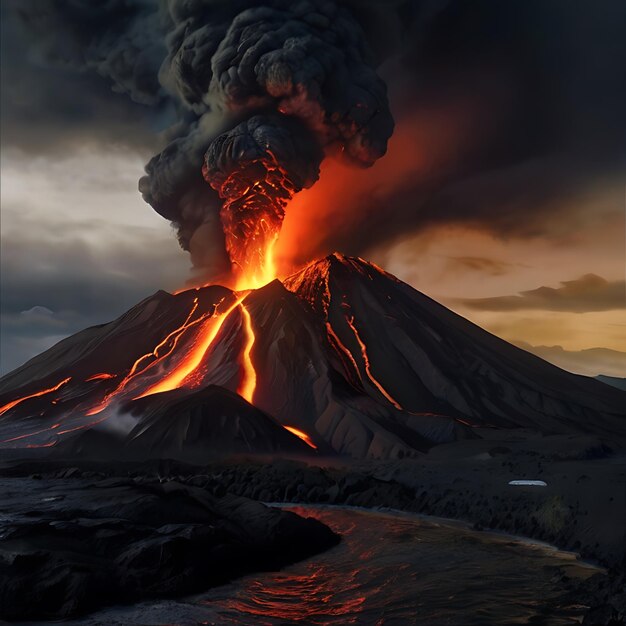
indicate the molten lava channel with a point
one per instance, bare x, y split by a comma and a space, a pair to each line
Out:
37, 394
368, 367
247, 386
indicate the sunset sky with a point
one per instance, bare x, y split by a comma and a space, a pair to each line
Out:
502, 194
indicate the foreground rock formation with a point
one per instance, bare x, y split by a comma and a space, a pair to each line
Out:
69, 546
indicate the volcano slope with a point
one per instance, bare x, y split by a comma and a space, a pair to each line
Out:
350, 357
387, 397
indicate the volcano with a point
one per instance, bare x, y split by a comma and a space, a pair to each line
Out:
340, 358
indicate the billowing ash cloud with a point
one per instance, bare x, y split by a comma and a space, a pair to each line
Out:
278, 82
265, 90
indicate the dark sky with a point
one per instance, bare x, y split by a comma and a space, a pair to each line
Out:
505, 173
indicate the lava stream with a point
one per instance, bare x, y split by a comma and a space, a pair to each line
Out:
302, 435
247, 385
103, 376
37, 432
334, 339
368, 368
174, 336
195, 355
43, 392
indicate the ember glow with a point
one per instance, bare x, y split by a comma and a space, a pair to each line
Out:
265, 273
149, 359
195, 354
103, 376
368, 366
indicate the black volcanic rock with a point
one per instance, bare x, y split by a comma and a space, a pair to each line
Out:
71, 546
205, 425
364, 364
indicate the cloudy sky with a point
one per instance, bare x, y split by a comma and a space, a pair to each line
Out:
502, 194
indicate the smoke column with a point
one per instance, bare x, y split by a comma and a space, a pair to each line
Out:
270, 90
258, 93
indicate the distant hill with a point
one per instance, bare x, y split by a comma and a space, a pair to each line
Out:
590, 362
620, 383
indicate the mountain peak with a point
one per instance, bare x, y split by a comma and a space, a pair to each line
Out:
313, 283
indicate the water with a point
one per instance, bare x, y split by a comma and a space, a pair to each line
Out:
388, 570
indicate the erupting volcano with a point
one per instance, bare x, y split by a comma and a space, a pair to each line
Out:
342, 355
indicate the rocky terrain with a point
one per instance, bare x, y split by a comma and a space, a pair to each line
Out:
70, 545
364, 392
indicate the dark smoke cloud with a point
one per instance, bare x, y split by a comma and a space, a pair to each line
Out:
307, 62
549, 75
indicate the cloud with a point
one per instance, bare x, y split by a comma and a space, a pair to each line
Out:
587, 293
78, 247
511, 129
50, 291
493, 267
48, 107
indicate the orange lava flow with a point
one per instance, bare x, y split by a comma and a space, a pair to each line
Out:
368, 368
194, 356
302, 435
174, 335
247, 385
37, 432
254, 199
43, 392
103, 376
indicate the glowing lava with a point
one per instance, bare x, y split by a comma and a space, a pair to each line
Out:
302, 435
368, 367
103, 376
43, 392
201, 343
254, 200
263, 274
174, 336
248, 382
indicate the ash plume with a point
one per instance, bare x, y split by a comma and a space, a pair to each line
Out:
268, 89
256, 168
249, 89
280, 83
